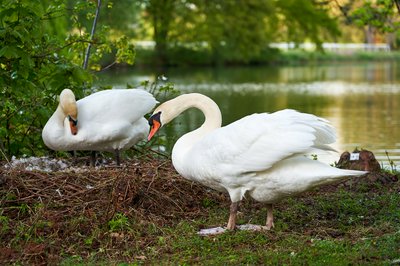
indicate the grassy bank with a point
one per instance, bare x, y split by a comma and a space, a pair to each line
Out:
181, 56
145, 213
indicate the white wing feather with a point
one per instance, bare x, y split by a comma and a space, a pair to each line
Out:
256, 142
110, 105
111, 114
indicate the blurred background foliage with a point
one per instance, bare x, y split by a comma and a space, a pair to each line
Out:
43, 44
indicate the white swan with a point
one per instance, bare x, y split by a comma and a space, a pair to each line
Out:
260, 155
109, 120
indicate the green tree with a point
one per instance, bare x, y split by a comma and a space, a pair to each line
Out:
380, 16
161, 14
236, 30
121, 18
108, 47
302, 20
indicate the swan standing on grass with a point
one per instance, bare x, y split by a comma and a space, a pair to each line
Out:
260, 155
109, 120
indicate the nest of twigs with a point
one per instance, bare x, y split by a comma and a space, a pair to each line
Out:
146, 192
151, 190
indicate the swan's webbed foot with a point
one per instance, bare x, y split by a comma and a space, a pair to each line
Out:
231, 222
246, 227
269, 226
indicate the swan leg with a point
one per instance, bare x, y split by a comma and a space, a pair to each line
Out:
74, 156
93, 159
270, 217
232, 216
117, 157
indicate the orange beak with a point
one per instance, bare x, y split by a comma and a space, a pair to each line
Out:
73, 124
155, 124
153, 129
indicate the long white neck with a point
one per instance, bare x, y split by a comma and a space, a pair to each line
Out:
58, 117
174, 107
66, 106
209, 108
55, 131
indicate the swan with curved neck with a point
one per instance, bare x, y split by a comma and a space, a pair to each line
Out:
260, 155
109, 120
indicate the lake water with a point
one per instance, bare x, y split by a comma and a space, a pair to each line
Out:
362, 100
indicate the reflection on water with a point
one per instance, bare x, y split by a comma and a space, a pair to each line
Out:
361, 100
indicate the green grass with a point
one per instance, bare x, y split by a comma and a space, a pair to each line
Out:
339, 228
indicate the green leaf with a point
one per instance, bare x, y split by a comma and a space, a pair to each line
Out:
9, 52
27, 61
80, 75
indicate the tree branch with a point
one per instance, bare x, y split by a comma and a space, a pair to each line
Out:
397, 3
62, 47
107, 67
86, 61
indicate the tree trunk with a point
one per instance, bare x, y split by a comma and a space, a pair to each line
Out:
369, 35
162, 13
397, 2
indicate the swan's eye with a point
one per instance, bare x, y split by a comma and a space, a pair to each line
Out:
155, 117
74, 121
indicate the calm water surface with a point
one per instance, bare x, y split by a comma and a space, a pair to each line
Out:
361, 100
